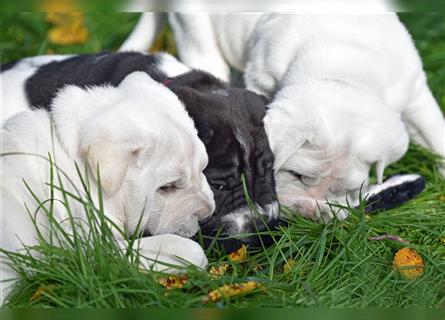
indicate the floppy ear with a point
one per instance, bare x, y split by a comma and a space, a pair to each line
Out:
72, 106
110, 160
111, 142
137, 81
283, 142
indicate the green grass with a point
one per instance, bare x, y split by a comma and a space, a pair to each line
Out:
336, 265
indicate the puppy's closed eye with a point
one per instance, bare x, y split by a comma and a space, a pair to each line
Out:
169, 187
307, 180
295, 174
310, 181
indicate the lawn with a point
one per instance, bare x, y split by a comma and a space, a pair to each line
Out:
332, 265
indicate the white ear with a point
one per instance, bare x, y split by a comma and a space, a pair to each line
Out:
111, 143
111, 159
138, 81
283, 141
72, 106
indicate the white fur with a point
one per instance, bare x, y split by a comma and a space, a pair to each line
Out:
170, 65
139, 39
12, 89
347, 90
141, 138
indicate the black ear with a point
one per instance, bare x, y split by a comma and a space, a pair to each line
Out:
198, 80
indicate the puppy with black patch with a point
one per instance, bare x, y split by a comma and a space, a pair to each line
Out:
150, 162
347, 93
229, 122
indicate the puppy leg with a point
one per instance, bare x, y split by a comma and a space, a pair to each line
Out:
197, 43
144, 34
426, 123
164, 252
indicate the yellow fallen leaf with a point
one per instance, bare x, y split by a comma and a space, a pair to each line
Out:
173, 281
442, 240
58, 6
41, 290
289, 265
408, 263
239, 255
231, 290
219, 270
70, 30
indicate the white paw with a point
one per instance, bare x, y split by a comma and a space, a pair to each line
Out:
170, 253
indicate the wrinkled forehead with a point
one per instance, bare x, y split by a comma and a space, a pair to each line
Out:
185, 145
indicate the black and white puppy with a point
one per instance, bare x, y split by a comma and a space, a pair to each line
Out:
229, 122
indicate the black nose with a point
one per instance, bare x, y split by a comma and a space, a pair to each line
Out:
258, 233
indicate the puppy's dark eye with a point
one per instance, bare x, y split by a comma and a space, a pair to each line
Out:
295, 174
168, 187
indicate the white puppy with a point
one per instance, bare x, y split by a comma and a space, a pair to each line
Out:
347, 91
149, 156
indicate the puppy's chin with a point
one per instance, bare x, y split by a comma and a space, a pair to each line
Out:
187, 227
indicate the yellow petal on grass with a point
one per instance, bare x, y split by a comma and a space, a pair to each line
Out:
173, 281
58, 6
231, 290
289, 265
219, 270
239, 255
41, 290
408, 263
69, 28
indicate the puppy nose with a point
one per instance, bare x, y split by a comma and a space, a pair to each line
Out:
206, 210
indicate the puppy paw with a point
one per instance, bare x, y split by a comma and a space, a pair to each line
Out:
170, 253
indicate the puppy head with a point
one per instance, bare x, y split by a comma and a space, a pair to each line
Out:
146, 148
325, 137
229, 122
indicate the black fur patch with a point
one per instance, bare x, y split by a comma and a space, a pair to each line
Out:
86, 70
230, 123
394, 196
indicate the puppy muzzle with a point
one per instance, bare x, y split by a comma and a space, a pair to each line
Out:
251, 226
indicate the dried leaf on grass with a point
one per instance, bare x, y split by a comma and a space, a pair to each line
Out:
408, 263
289, 265
58, 6
173, 281
231, 290
239, 255
219, 270
41, 290
69, 28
